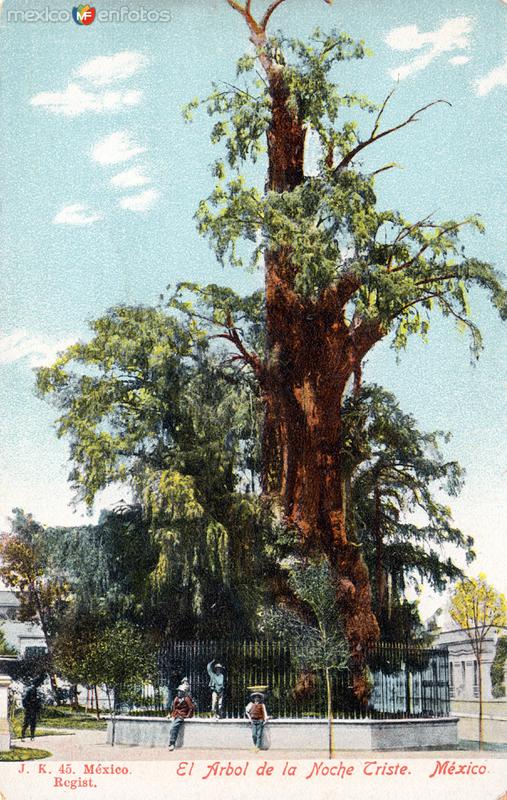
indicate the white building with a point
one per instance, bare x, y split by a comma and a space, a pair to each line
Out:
464, 681
19, 635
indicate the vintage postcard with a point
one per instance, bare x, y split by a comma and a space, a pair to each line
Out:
253, 423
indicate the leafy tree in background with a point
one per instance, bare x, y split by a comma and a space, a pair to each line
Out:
317, 638
478, 609
5, 648
25, 569
144, 403
393, 471
340, 275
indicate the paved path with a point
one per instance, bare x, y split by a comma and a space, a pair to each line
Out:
92, 746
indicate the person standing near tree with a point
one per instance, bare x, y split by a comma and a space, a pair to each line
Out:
217, 686
32, 704
183, 708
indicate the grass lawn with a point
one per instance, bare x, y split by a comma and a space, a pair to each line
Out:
467, 744
80, 722
54, 717
23, 754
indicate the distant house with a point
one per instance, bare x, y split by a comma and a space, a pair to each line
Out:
464, 679
463, 667
19, 635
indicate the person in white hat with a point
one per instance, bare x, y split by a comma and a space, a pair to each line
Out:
258, 716
217, 686
182, 708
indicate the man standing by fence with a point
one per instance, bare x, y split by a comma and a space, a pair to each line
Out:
258, 716
217, 686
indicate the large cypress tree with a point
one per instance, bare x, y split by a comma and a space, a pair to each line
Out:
340, 275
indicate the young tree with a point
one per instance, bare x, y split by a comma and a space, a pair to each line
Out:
317, 639
120, 659
117, 657
340, 275
477, 608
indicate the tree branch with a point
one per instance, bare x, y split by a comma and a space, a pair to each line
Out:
382, 109
384, 168
233, 336
456, 226
237, 7
374, 136
269, 12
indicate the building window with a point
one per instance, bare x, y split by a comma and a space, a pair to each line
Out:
463, 673
451, 680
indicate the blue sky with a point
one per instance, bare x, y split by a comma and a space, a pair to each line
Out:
101, 178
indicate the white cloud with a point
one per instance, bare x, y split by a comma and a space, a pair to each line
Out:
76, 214
116, 148
74, 101
129, 178
497, 77
104, 70
453, 34
140, 202
39, 349
457, 61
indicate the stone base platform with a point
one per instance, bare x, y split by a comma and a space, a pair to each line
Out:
291, 734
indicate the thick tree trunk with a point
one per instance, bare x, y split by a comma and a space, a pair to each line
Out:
312, 353
311, 358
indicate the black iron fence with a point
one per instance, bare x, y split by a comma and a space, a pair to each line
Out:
407, 681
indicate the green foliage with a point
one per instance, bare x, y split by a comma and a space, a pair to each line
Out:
477, 608
5, 648
147, 403
330, 223
116, 656
24, 754
395, 472
498, 668
34, 667
120, 657
315, 632
25, 569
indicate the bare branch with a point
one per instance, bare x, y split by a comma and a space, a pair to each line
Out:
374, 136
237, 7
382, 109
385, 168
269, 12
